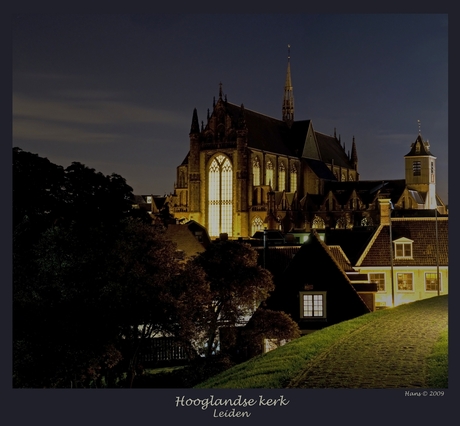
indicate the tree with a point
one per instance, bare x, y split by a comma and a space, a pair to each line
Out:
72, 231
236, 285
268, 324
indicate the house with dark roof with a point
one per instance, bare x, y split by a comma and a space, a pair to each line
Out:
317, 285
190, 238
406, 257
246, 171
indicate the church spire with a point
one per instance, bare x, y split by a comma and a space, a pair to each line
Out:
195, 128
288, 100
354, 155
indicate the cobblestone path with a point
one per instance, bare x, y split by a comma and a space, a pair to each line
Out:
387, 353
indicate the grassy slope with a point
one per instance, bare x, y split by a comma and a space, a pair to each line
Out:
275, 369
438, 363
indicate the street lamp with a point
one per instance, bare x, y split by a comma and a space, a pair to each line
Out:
437, 248
391, 257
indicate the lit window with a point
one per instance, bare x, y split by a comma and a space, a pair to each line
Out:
417, 168
293, 179
313, 305
343, 177
405, 281
269, 174
257, 225
281, 177
378, 279
341, 223
366, 221
430, 281
256, 172
403, 248
318, 222
220, 191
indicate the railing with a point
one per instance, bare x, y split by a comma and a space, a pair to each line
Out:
162, 349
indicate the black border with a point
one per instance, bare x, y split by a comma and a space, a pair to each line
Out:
122, 407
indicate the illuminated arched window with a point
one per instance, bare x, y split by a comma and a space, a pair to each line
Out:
318, 222
220, 196
366, 221
269, 174
257, 225
293, 178
341, 223
343, 177
281, 177
256, 171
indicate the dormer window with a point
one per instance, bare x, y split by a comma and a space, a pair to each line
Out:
403, 248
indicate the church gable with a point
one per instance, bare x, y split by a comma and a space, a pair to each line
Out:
310, 149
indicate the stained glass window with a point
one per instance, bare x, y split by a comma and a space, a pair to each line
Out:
269, 174
281, 177
220, 196
293, 179
256, 172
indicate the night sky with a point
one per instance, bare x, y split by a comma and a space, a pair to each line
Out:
117, 92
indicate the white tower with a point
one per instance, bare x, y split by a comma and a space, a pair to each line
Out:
421, 171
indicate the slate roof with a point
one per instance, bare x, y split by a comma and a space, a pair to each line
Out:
422, 231
341, 258
278, 257
184, 239
423, 146
272, 135
264, 133
367, 190
330, 148
320, 169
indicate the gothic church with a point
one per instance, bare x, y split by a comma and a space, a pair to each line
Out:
246, 171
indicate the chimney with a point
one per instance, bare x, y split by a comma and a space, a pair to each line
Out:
385, 207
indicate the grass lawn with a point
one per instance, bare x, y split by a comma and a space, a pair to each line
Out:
438, 363
276, 369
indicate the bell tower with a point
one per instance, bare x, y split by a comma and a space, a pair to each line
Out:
420, 166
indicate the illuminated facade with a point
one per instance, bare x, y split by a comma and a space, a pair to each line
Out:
246, 171
409, 271
240, 157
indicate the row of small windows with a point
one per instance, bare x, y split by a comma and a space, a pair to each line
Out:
405, 281
270, 175
318, 222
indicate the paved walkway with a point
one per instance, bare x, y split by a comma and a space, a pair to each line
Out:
387, 353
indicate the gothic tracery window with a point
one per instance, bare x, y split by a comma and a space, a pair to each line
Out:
220, 196
293, 178
318, 222
281, 177
269, 174
256, 171
257, 225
